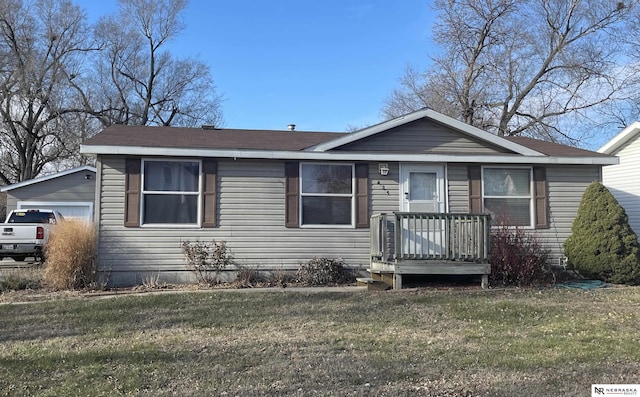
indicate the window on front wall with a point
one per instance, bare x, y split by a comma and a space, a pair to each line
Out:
327, 194
507, 195
170, 192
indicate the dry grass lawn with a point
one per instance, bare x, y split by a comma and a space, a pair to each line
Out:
410, 343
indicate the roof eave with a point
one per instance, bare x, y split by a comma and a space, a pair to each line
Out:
48, 177
344, 156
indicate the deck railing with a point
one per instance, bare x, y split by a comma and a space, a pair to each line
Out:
430, 236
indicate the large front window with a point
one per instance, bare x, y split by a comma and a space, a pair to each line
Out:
327, 194
170, 192
507, 195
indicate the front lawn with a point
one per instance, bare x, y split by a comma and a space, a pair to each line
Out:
236, 343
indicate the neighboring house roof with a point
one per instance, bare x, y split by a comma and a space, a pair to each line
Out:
85, 168
622, 139
298, 145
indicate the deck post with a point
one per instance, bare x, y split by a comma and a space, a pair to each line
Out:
485, 281
397, 281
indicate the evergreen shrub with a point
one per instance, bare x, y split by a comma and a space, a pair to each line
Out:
602, 244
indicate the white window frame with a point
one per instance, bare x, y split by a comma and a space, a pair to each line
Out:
352, 195
530, 197
143, 192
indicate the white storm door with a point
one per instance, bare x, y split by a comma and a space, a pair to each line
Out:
422, 191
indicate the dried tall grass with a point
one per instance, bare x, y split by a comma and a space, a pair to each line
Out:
69, 256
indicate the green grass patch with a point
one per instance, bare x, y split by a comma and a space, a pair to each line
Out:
494, 343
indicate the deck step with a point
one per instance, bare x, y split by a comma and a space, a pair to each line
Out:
371, 284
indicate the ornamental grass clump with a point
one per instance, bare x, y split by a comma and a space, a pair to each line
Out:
602, 244
69, 256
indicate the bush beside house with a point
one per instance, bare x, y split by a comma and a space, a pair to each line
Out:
602, 245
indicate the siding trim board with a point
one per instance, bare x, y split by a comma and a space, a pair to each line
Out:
132, 192
292, 194
209, 193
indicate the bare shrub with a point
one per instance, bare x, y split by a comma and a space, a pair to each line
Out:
247, 277
69, 256
518, 258
324, 271
282, 278
207, 260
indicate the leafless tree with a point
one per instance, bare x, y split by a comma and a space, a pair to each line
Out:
138, 81
41, 47
525, 67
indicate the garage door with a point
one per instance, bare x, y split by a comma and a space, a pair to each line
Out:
71, 210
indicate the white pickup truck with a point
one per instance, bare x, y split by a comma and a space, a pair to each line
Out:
26, 232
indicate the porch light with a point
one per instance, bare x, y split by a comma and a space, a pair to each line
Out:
383, 168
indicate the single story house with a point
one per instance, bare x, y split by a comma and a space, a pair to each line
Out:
72, 192
618, 178
281, 198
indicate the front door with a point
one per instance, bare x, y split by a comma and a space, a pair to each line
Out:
422, 191
422, 188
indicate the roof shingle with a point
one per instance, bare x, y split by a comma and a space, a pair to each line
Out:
177, 137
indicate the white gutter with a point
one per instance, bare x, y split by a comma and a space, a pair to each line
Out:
344, 156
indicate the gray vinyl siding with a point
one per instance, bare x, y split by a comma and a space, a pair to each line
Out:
422, 136
72, 187
251, 213
622, 181
566, 186
251, 217
384, 192
458, 188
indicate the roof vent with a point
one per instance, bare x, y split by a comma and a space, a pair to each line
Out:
208, 127
291, 127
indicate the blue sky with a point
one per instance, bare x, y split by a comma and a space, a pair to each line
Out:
322, 65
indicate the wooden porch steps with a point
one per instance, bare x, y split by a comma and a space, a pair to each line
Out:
372, 284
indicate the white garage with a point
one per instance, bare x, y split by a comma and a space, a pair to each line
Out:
70, 210
72, 192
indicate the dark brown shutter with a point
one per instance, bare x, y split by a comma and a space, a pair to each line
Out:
540, 197
475, 189
362, 195
292, 193
209, 189
132, 192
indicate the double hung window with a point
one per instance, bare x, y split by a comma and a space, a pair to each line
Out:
508, 195
327, 194
170, 192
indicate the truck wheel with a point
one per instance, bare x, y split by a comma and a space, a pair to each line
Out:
19, 258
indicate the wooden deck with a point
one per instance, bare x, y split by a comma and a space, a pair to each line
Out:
429, 243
